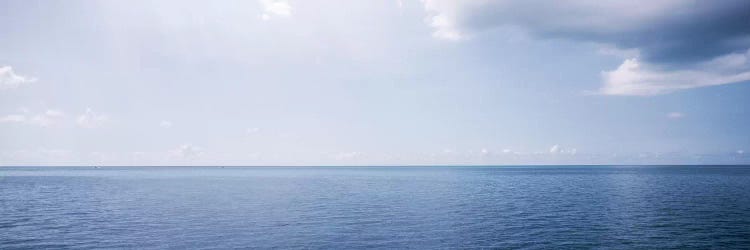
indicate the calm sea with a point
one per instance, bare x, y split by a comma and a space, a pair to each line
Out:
619, 207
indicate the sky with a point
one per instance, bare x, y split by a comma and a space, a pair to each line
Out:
431, 82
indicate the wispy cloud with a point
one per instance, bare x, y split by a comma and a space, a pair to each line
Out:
557, 149
186, 152
634, 78
165, 124
48, 118
15, 118
554, 149
675, 115
251, 131
10, 80
275, 8
90, 119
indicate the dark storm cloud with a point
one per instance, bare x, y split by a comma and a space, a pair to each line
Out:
715, 28
665, 31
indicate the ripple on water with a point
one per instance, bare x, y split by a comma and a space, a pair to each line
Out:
440, 207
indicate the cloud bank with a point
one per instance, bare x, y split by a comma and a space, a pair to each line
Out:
677, 40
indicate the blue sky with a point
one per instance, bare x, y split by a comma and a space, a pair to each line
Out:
374, 82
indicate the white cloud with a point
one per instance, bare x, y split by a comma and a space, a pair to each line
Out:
554, 149
732, 61
448, 151
484, 152
445, 29
275, 8
165, 124
557, 149
48, 118
186, 151
442, 18
90, 119
10, 80
675, 115
250, 131
13, 119
633, 78
740, 151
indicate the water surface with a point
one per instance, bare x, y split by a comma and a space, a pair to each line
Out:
376, 207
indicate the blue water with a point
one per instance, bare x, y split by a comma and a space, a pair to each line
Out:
376, 207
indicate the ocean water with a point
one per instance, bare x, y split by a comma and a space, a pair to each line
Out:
575, 207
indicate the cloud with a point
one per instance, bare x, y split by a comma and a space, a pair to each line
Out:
275, 8
442, 17
557, 149
15, 118
250, 131
48, 118
662, 29
675, 115
90, 119
165, 124
484, 152
634, 78
669, 44
739, 152
52, 117
186, 151
10, 80
554, 149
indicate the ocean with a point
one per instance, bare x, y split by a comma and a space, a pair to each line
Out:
528, 207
